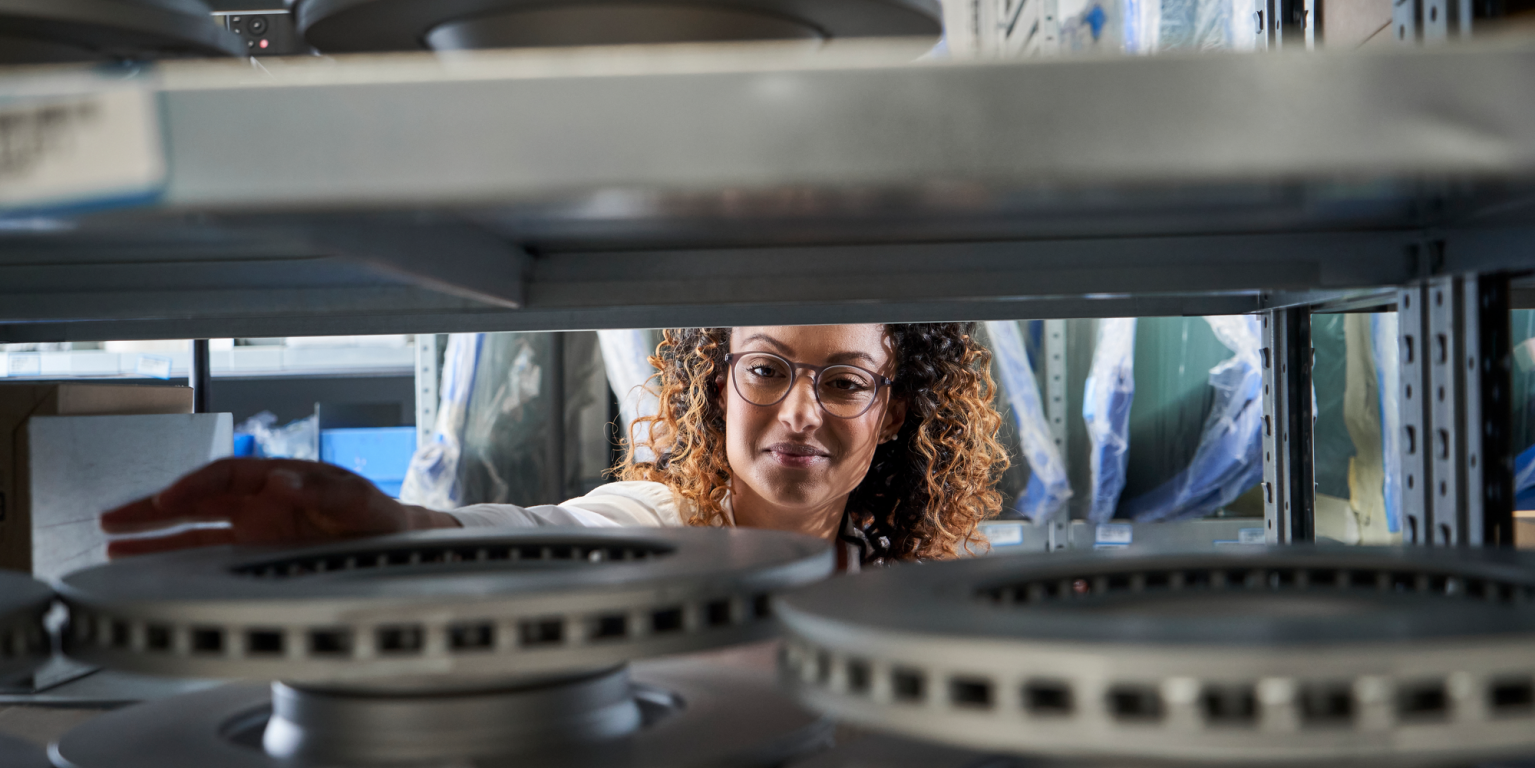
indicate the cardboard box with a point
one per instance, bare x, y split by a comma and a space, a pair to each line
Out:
19, 402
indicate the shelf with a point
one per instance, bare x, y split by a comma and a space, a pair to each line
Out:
704, 186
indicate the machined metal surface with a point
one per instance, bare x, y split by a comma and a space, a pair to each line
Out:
54, 31
426, 608
15, 753
696, 715
24, 643
1274, 655
349, 26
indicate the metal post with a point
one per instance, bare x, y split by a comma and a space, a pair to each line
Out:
1441, 350
1416, 415
199, 376
556, 480
1055, 383
1288, 426
1457, 462
426, 386
1489, 412
1056, 414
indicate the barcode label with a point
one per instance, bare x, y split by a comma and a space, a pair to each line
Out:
1114, 533
82, 149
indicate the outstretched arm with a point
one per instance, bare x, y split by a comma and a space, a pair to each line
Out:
265, 501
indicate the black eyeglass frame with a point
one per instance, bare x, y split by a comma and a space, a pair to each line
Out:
880, 382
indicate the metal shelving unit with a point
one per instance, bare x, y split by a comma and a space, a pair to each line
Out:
696, 185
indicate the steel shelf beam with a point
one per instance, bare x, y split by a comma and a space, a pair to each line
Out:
565, 190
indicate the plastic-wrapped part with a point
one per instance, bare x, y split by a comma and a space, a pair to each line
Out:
1106, 400
1048, 488
1522, 323
506, 448
299, 439
1229, 459
1388, 374
537, 423
1524, 479
626, 357
432, 479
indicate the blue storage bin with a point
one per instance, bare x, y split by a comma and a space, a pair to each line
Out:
381, 454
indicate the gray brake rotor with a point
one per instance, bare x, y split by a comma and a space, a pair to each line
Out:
15, 753
436, 606
698, 715
1281, 655
23, 639
342, 26
51, 31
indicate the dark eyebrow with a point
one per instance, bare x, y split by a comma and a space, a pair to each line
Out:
781, 347
840, 357
844, 357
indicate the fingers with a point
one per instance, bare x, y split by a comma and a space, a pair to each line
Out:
196, 537
131, 517
201, 494
222, 477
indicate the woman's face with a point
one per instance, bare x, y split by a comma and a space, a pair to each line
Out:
794, 456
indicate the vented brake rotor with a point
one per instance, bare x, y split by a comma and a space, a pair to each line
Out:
15, 753
338, 26
24, 646
440, 605
52, 31
696, 716
1284, 655
23, 639
448, 648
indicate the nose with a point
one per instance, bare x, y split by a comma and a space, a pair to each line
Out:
799, 410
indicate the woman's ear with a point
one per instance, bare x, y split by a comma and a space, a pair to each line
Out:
895, 417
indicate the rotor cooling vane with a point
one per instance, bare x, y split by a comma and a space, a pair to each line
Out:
341, 26
55, 31
1284, 655
447, 646
24, 646
24, 643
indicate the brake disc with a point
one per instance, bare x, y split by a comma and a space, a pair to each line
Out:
439, 605
448, 648
24, 641
338, 26
15, 753
52, 31
694, 715
1277, 655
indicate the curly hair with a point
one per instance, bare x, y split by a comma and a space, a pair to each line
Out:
924, 493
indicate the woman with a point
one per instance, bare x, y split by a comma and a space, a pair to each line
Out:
881, 436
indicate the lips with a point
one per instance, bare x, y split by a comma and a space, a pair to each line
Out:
797, 454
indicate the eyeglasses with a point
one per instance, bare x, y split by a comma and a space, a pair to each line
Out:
844, 391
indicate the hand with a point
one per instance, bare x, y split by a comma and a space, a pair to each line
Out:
265, 501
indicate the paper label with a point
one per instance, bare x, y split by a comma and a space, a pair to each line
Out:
153, 365
91, 147
1251, 536
22, 364
1115, 533
1003, 534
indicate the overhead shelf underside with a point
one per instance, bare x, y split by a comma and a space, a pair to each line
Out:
687, 186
